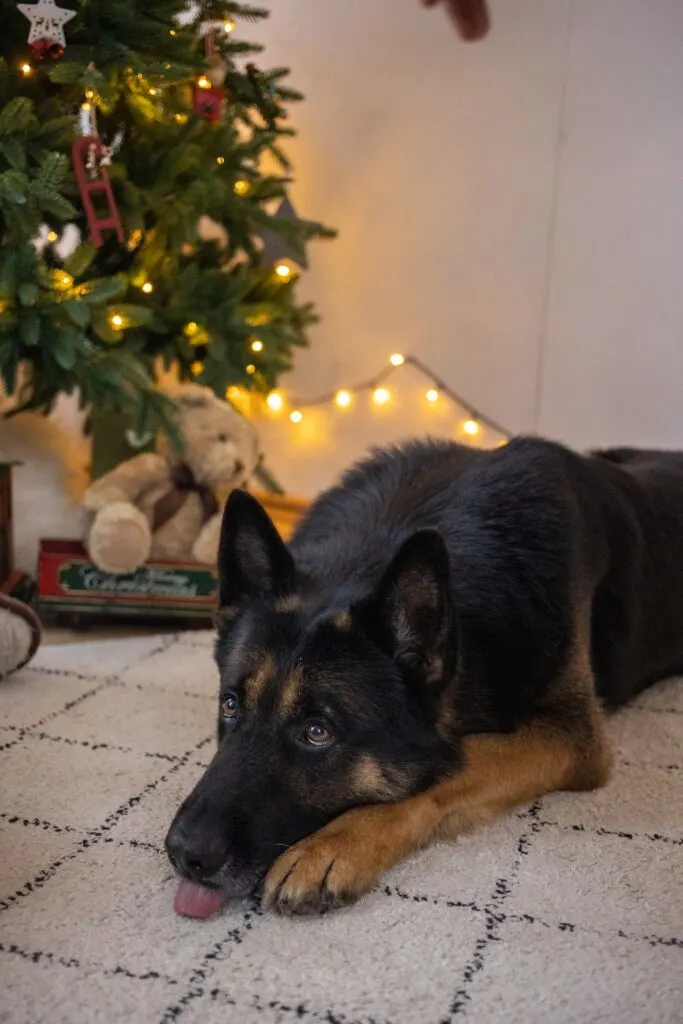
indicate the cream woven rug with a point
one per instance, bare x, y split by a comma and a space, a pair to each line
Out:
569, 911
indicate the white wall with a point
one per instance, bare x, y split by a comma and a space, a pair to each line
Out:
511, 211
614, 337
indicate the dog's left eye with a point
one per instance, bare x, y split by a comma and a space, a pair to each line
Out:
230, 708
317, 735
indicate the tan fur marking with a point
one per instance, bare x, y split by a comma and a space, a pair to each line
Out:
289, 603
256, 683
289, 694
368, 781
574, 687
500, 773
342, 620
446, 717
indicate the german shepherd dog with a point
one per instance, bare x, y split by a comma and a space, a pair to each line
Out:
438, 643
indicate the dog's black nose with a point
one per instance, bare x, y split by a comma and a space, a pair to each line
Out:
192, 855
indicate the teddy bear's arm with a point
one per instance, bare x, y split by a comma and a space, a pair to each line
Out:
128, 481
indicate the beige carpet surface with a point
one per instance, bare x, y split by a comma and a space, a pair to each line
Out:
569, 911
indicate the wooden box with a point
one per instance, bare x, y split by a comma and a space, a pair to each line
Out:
69, 582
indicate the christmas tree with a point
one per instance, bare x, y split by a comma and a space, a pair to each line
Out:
144, 216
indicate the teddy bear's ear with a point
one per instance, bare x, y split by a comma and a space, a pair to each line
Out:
253, 560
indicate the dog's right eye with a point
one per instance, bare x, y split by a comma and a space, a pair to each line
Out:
230, 708
316, 735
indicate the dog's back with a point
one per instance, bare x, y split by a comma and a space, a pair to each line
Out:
650, 482
504, 518
533, 531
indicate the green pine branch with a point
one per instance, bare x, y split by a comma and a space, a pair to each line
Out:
102, 323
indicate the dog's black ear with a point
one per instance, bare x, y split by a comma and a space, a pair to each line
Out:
253, 561
411, 614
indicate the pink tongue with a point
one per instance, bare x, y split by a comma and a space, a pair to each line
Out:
194, 900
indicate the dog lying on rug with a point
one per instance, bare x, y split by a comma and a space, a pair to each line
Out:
438, 644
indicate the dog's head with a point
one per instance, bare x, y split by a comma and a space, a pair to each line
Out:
321, 707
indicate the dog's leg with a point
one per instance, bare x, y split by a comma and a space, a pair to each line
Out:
347, 858
503, 772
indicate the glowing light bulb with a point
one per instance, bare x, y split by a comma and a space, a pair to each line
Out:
234, 393
471, 427
274, 401
134, 240
191, 328
52, 236
228, 26
171, 32
26, 69
204, 82
258, 319
283, 271
64, 280
432, 395
343, 399
251, 369
381, 396
397, 359
148, 287
89, 94
181, 118
257, 346
296, 416
241, 187
152, 92
220, 159
117, 321
197, 367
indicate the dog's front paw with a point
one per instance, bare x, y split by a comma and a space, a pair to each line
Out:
325, 871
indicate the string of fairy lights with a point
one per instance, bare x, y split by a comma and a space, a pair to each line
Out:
343, 398
380, 394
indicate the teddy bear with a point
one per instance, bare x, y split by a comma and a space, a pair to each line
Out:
164, 504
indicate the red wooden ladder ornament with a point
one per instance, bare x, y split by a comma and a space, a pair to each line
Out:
80, 151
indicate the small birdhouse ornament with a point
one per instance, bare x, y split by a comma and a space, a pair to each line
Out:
207, 101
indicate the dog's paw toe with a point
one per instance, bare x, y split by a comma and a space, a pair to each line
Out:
311, 879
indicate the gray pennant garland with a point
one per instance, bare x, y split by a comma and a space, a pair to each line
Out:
275, 246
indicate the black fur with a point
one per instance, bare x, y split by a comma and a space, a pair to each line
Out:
432, 594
